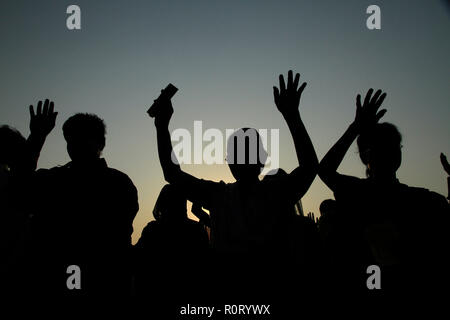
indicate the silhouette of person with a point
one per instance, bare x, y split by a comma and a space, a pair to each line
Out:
244, 216
83, 216
168, 243
327, 220
17, 163
14, 215
13, 149
446, 167
385, 222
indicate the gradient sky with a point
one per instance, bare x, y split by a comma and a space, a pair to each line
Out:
225, 56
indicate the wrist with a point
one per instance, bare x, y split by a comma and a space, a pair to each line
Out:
292, 116
354, 126
161, 123
354, 130
37, 136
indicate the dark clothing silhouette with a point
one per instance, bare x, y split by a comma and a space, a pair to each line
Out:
173, 238
14, 230
171, 258
397, 227
258, 244
17, 163
84, 217
246, 216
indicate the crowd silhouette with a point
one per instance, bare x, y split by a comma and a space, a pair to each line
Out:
250, 239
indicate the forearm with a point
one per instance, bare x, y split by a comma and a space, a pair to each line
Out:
169, 167
35, 144
306, 155
331, 161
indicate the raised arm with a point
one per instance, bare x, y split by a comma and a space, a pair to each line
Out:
367, 114
287, 100
196, 189
171, 169
42, 123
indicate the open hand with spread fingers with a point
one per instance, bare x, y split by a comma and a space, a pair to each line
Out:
287, 97
367, 114
43, 120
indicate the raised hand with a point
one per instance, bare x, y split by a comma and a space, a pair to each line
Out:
445, 163
165, 112
367, 114
287, 98
43, 121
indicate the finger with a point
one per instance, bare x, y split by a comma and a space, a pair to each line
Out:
282, 84
290, 81
296, 80
381, 99
32, 111
445, 163
443, 159
45, 111
368, 95
276, 94
39, 108
375, 97
358, 101
51, 107
380, 114
302, 87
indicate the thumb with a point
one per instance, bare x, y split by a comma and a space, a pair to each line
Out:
54, 115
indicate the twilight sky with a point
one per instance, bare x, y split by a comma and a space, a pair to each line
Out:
225, 56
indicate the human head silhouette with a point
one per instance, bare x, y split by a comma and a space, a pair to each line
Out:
171, 204
246, 155
12, 147
327, 206
85, 137
380, 150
